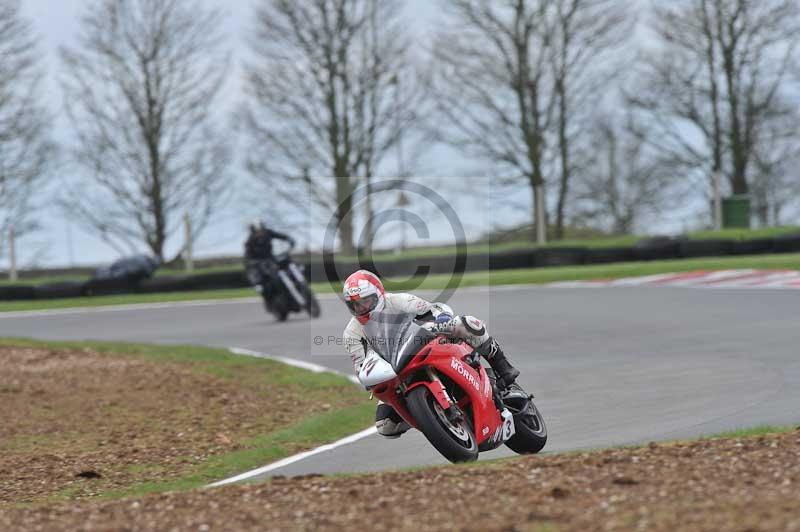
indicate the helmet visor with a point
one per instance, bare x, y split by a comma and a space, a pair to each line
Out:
363, 306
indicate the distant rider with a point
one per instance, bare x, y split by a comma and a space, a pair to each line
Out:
365, 296
258, 251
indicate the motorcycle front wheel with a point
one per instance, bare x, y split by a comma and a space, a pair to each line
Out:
454, 440
530, 434
312, 305
278, 306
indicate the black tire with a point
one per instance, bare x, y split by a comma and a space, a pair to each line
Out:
530, 434
277, 307
312, 304
438, 430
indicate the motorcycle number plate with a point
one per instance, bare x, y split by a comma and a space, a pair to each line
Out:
508, 424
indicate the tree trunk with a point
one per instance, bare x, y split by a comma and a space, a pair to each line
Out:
563, 145
541, 216
344, 214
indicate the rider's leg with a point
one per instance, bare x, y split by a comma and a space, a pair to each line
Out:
473, 331
388, 422
491, 351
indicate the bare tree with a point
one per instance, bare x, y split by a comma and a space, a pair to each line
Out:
330, 93
141, 90
775, 186
625, 180
494, 87
585, 34
25, 148
712, 85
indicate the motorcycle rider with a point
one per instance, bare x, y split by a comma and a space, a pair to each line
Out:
258, 251
364, 295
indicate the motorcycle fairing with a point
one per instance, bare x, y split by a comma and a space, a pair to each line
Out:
447, 359
375, 370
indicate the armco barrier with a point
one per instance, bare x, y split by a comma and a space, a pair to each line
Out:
706, 248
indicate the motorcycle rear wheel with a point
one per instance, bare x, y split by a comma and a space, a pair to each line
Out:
455, 441
278, 307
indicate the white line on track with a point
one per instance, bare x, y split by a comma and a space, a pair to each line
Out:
296, 458
316, 368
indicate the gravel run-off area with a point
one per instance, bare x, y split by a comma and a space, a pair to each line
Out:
78, 424
734, 484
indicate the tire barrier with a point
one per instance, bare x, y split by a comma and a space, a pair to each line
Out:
706, 248
108, 287
67, 289
787, 243
756, 246
659, 248
185, 283
16, 292
512, 259
609, 255
560, 257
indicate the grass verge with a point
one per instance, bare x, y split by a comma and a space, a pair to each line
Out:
790, 261
126, 299
151, 419
760, 430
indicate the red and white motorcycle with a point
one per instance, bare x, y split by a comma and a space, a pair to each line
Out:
440, 387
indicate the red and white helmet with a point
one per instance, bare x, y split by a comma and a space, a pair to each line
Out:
364, 294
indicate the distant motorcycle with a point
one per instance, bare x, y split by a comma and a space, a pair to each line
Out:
441, 388
282, 286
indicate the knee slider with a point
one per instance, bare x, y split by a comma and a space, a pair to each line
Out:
388, 428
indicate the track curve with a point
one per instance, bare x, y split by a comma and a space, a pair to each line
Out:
608, 366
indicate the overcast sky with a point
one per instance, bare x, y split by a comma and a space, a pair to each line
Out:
56, 23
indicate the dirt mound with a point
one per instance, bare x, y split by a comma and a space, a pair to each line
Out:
74, 424
742, 484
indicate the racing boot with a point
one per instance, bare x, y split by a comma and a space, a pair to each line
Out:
389, 423
505, 372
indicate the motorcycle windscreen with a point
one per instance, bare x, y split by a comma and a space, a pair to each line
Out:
396, 337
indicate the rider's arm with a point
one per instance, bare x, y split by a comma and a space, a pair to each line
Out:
281, 236
422, 308
354, 343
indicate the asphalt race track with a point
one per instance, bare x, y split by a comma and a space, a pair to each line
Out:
608, 366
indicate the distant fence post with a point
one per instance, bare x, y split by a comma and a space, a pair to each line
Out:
12, 255
187, 258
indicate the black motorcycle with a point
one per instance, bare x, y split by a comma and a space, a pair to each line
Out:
283, 286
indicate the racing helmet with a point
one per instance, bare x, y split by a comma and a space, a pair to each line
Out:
364, 294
